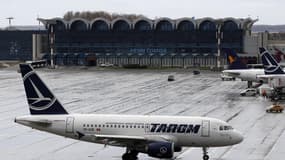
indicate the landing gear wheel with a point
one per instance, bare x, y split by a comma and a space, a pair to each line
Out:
130, 155
125, 156
206, 157
205, 154
133, 155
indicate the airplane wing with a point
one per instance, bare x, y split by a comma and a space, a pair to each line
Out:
231, 73
271, 76
152, 138
125, 140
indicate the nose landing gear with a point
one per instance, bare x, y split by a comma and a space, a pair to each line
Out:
205, 153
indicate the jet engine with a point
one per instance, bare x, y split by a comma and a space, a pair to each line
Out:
160, 149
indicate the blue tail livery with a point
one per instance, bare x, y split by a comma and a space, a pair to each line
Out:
40, 98
270, 64
234, 60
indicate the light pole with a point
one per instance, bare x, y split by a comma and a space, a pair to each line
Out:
219, 38
50, 23
52, 40
10, 21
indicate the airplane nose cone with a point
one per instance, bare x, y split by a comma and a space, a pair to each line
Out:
238, 137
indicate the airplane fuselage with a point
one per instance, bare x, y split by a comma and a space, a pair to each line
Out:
245, 74
184, 131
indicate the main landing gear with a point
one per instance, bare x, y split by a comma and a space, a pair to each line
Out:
249, 84
205, 153
130, 155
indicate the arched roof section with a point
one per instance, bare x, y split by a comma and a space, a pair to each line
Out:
121, 24
79, 24
237, 21
143, 24
100, 24
185, 24
58, 23
229, 25
207, 24
164, 24
61, 24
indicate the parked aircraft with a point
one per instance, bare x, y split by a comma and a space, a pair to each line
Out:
157, 136
239, 70
279, 55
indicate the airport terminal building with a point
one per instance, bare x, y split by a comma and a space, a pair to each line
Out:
152, 42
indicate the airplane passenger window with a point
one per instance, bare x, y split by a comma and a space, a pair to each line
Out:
107, 126
115, 126
138, 126
103, 125
95, 125
123, 126
134, 126
87, 125
119, 126
91, 125
131, 126
142, 126
127, 126
111, 126
221, 128
83, 125
99, 125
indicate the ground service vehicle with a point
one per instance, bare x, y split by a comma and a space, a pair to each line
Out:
275, 108
249, 92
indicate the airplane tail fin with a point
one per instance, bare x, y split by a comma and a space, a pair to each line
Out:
234, 60
270, 64
40, 98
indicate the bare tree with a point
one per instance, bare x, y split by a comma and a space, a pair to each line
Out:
88, 15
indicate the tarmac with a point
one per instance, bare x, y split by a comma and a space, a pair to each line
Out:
147, 92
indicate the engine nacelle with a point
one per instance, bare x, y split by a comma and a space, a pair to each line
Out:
160, 149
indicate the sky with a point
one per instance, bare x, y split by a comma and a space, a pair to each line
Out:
25, 12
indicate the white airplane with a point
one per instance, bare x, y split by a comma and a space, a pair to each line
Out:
245, 74
239, 70
157, 136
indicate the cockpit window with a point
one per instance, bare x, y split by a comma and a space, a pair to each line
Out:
226, 128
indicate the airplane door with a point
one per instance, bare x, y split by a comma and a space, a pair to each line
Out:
205, 128
69, 125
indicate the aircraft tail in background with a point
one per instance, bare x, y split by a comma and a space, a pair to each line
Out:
279, 55
270, 64
234, 60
